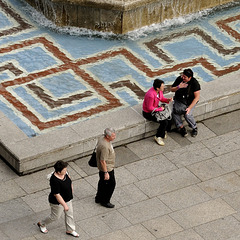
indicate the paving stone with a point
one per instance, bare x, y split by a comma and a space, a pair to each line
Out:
221, 229
237, 215
222, 185
181, 141
148, 147
224, 144
203, 133
115, 220
162, 226
143, 211
229, 162
37, 201
184, 235
138, 232
3, 236
77, 169
235, 238
129, 194
95, 226
187, 155
206, 170
233, 199
124, 177
184, 198
117, 235
93, 180
10, 190
150, 167
29, 238
125, 156
87, 208
14, 209
6, 172
224, 123
167, 182
82, 189
34, 182
46, 237
202, 213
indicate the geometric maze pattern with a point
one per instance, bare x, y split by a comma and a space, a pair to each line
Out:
42, 86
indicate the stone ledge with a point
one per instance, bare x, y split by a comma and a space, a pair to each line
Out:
27, 155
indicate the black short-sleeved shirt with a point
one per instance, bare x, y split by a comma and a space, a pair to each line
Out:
186, 95
62, 187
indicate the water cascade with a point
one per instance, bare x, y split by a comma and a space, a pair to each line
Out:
118, 16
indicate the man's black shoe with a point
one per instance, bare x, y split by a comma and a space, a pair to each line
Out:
97, 201
194, 132
183, 132
108, 205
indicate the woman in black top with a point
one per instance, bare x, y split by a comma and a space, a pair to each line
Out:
60, 199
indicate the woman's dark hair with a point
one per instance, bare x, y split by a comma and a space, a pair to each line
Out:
157, 83
60, 165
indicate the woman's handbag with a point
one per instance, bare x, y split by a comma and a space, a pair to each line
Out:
166, 114
93, 160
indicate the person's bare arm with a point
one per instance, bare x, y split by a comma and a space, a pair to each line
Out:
61, 201
104, 169
194, 102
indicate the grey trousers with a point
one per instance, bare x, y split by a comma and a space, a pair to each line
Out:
178, 117
56, 212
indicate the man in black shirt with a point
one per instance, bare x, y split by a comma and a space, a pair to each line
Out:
187, 94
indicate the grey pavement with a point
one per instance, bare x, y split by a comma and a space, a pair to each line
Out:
187, 190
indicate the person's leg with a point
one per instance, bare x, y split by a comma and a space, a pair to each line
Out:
69, 221
169, 125
178, 110
110, 186
105, 189
176, 116
162, 128
56, 212
190, 119
101, 188
191, 122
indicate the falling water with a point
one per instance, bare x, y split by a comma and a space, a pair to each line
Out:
119, 17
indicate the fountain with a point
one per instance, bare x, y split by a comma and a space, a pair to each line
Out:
119, 16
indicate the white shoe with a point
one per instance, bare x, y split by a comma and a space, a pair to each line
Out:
159, 141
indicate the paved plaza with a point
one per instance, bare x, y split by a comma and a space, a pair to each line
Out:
59, 91
187, 190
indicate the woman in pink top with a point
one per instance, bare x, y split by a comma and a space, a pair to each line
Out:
150, 102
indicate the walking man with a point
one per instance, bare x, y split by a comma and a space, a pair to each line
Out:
105, 161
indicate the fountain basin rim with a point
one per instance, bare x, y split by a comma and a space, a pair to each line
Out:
122, 5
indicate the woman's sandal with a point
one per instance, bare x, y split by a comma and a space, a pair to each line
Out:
43, 229
73, 233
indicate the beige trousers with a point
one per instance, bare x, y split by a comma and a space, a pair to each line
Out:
56, 213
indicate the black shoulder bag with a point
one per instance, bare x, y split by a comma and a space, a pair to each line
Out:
93, 160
